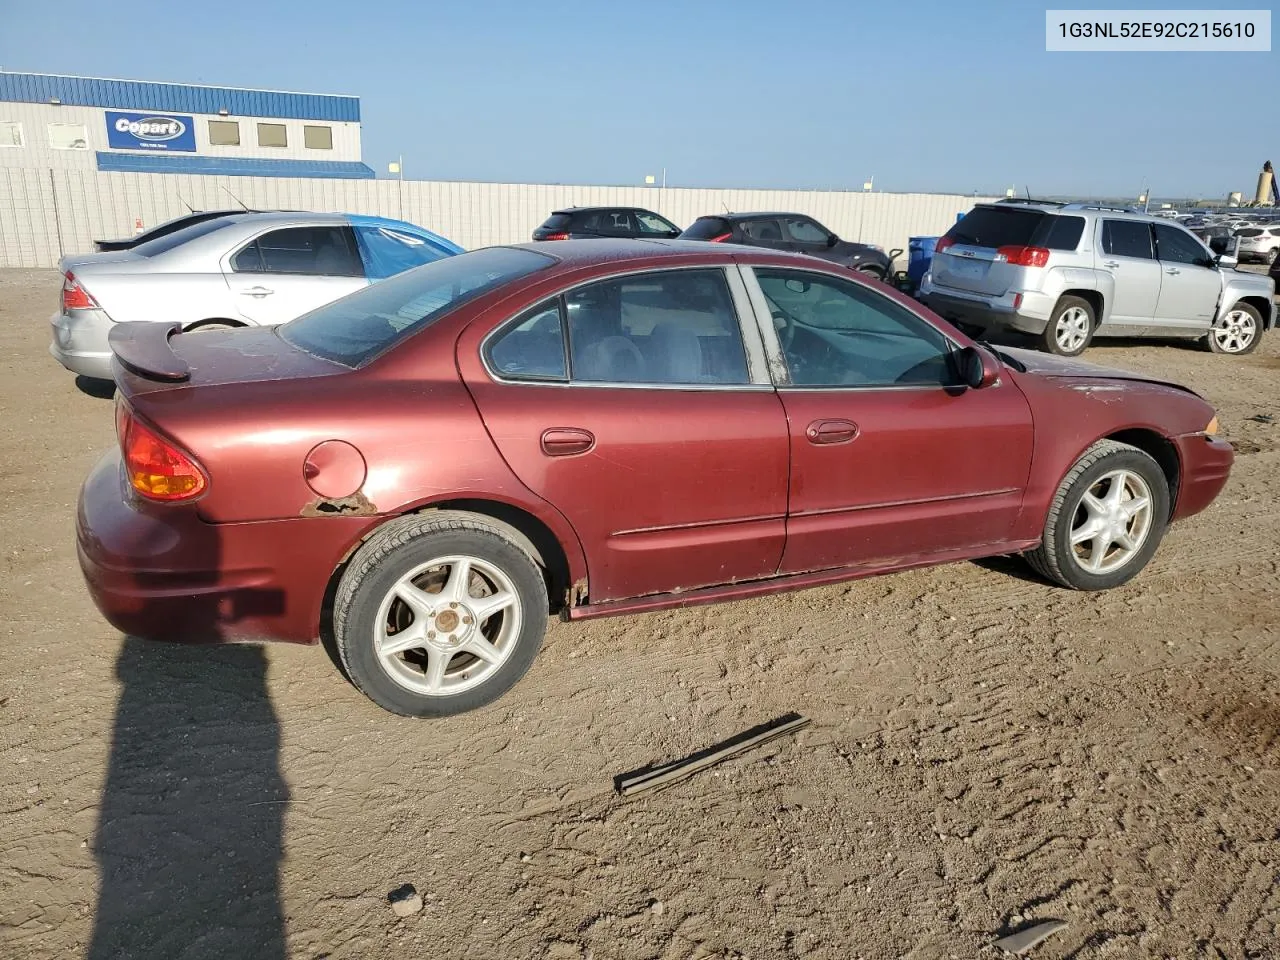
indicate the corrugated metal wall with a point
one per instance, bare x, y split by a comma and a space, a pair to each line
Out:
44, 213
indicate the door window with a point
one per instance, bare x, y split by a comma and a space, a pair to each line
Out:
1175, 246
653, 225
388, 251
1126, 238
839, 334
805, 231
310, 251
610, 223
671, 327
533, 348
766, 231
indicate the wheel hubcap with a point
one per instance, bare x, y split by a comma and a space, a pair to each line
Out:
1072, 329
1112, 522
1235, 331
447, 625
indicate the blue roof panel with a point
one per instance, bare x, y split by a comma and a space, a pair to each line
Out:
176, 97
232, 166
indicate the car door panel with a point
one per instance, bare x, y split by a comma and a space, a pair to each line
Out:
1129, 260
286, 272
666, 484
1189, 288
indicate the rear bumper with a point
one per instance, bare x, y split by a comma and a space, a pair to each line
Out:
1206, 466
1031, 315
79, 342
159, 572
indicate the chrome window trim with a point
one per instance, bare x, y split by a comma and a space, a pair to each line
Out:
726, 269
777, 357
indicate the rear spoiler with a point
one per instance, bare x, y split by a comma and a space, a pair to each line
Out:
143, 349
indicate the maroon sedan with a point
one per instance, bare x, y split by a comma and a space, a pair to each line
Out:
428, 467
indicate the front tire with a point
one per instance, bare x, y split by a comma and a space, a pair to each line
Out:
1238, 332
1070, 328
1106, 520
437, 616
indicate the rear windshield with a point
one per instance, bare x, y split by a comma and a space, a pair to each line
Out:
557, 221
704, 228
358, 327
179, 237
997, 227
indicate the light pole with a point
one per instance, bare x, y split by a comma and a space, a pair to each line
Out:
397, 166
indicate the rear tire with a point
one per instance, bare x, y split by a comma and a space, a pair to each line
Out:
412, 631
1106, 520
874, 272
1237, 333
1070, 327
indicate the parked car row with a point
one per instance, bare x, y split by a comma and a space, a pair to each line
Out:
1069, 272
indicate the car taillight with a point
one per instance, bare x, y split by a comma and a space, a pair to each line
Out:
721, 237
1020, 256
943, 244
556, 236
157, 469
75, 296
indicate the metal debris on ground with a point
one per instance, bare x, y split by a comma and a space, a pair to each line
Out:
649, 778
405, 901
1022, 941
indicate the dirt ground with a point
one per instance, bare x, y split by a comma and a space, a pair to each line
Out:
985, 751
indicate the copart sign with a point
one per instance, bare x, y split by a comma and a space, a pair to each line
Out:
150, 131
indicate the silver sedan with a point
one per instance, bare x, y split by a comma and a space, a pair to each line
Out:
254, 269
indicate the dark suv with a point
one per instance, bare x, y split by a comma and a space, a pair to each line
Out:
792, 231
578, 223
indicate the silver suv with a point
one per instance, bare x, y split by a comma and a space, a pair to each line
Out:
1067, 272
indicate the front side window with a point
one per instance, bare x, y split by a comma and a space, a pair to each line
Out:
272, 135
1174, 246
836, 333
388, 251
669, 327
68, 136
356, 328
805, 231
1126, 238
11, 134
317, 138
652, 225
767, 231
310, 251
533, 348
224, 133
610, 223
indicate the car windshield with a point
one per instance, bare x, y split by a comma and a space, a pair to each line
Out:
166, 243
358, 327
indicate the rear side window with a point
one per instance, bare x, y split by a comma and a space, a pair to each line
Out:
388, 251
533, 348
557, 221
1063, 233
704, 228
1249, 233
360, 326
310, 251
997, 227
1126, 238
178, 237
609, 223
763, 230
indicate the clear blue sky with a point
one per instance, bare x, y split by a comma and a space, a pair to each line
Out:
929, 96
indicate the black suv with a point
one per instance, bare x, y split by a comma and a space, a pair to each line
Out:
795, 232
578, 223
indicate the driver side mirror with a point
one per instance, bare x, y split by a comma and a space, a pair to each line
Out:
832, 240
1226, 261
978, 368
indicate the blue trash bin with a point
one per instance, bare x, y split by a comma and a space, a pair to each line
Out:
919, 256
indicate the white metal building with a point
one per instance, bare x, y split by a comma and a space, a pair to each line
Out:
51, 122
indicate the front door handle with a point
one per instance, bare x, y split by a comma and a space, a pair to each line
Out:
1173, 271
567, 441
1113, 264
256, 292
831, 431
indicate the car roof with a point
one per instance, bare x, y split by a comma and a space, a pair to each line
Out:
738, 217
616, 206
585, 253
1050, 206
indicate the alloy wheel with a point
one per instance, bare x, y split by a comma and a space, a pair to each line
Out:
1112, 522
1235, 332
1072, 329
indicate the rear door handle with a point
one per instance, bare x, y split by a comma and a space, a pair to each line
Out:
1173, 271
1113, 264
567, 441
831, 431
256, 292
